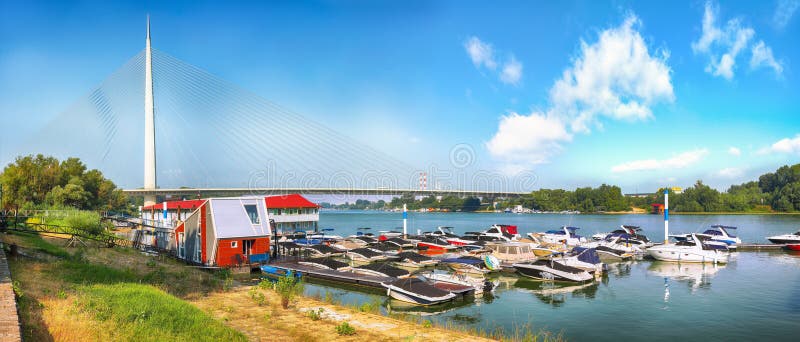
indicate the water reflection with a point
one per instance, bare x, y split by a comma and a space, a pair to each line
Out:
556, 294
396, 306
697, 275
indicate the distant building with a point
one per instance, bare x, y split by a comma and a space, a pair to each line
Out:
676, 190
658, 208
640, 194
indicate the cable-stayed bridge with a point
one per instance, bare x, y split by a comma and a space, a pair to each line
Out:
222, 140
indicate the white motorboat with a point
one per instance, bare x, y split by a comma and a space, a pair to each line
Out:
497, 232
447, 234
565, 235
690, 250
480, 284
416, 291
552, 270
785, 238
722, 233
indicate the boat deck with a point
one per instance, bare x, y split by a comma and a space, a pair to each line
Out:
340, 276
453, 288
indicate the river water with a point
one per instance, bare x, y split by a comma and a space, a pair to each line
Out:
755, 296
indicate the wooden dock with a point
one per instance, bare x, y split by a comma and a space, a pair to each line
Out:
759, 246
9, 321
332, 275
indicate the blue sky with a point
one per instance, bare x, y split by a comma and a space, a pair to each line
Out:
638, 94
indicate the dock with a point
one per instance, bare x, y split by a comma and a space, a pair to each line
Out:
759, 246
333, 275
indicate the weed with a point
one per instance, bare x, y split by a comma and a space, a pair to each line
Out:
427, 324
345, 329
17, 290
62, 294
315, 315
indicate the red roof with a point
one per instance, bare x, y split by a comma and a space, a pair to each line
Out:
173, 205
289, 201
657, 205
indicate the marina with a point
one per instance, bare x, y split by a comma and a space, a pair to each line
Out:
661, 292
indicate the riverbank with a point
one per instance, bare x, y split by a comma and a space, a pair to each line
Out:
120, 294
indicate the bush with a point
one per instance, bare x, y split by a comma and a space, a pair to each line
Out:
288, 288
345, 329
315, 315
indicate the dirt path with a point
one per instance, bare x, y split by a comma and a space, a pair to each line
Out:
269, 322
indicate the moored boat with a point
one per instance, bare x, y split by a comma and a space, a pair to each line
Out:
785, 238
479, 284
793, 246
511, 252
565, 235
691, 250
325, 263
381, 269
416, 291
552, 270
414, 260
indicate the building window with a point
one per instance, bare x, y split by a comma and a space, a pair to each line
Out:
234, 244
252, 212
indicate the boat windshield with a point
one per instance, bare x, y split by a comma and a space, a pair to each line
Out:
561, 232
713, 232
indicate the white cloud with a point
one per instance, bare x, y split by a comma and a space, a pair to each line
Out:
482, 54
529, 138
512, 71
785, 145
615, 77
730, 172
784, 12
734, 151
676, 162
762, 56
723, 45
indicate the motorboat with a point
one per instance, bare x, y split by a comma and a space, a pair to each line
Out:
708, 240
325, 234
385, 234
785, 238
325, 263
497, 232
690, 250
511, 252
364, 254
467, 264
434, 243
400, 243
552, 270
722, 233
416, 291
584, 258
447, 234
478, 284
321, 250
381, 269
541, 248
414, 260
609, 254
622, 242
565, 235
793, 246
364, 231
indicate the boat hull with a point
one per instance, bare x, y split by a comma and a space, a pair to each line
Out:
782, 241
688, 255
542, 272
793, 247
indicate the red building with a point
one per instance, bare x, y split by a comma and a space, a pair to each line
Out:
227, 231
658, 208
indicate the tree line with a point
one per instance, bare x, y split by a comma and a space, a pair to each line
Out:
44, 182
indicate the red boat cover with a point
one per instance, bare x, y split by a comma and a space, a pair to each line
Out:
509, 229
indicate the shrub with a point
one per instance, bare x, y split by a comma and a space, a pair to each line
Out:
345, 329
315, 315
288, 288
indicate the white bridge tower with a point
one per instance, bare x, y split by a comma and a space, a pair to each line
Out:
149, 124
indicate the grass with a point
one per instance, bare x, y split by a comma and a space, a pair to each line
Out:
141, 312
101, 294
